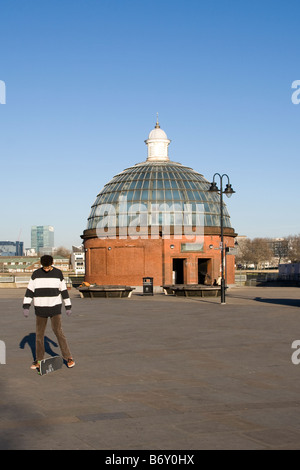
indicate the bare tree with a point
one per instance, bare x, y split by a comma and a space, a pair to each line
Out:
261, 251
256, 251
63, 251
243, 256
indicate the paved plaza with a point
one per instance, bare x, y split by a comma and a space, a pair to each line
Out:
157, 373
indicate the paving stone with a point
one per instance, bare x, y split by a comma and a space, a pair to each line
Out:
156, 372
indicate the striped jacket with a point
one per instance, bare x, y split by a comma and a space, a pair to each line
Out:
47, 289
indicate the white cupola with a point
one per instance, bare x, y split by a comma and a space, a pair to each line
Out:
157, 143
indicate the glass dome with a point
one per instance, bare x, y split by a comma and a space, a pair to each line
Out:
165, 185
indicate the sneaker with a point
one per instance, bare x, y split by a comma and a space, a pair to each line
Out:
70, 363
35, 365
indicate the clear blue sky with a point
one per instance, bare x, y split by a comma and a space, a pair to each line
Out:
85, 78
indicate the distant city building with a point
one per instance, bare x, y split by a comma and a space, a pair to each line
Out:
28, 264
61, 262
47, 250
8, 248
78, 259
42, 239
30, 252
17, 264
289, 271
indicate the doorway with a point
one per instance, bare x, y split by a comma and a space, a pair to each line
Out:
204, 271
178, 270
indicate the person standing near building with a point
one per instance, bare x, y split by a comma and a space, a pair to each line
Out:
47, 289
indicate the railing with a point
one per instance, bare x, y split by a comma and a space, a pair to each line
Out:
14, 279
256, 278
22, 279
7, 279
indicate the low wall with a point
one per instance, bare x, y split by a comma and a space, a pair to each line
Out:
13, 281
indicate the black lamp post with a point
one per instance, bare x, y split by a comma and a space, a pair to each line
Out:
228, 191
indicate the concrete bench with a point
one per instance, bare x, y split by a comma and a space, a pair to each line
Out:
192, 290
105, 291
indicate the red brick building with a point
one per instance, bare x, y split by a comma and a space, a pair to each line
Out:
157, 219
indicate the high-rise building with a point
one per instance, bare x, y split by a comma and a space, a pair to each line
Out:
42, 238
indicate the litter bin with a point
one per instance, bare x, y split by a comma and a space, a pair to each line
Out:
148, 285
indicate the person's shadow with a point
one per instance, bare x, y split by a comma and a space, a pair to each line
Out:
30, 340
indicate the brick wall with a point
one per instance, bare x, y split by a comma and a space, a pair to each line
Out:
126, 261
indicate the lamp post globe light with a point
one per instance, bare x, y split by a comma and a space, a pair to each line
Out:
228, 191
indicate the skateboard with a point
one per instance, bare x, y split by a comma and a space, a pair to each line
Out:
50, 364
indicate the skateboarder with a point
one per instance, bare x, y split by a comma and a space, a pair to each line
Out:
47, 288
